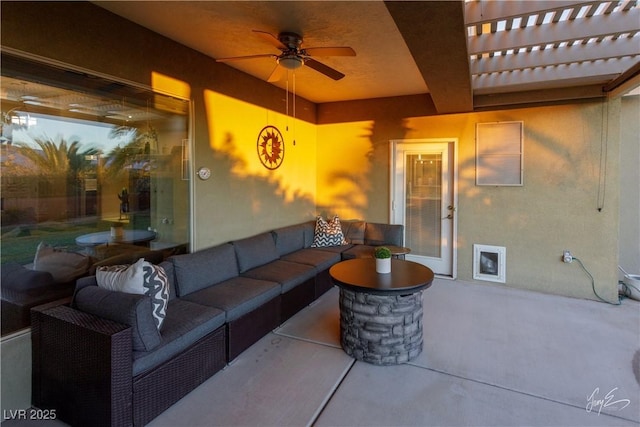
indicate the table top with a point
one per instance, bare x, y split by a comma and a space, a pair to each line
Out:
360, 275
128, 236
398, 250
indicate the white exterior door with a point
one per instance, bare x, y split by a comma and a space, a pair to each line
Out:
424, 200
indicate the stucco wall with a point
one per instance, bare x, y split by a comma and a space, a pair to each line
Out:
630, 185
556, 209
229, 110
344, 167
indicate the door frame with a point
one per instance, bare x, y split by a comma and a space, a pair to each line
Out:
453, 144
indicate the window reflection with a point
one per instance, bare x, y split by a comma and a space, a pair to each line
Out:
92, 174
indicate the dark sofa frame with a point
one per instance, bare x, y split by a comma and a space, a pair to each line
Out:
82, 363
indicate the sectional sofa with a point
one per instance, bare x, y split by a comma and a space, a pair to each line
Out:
22, 287
101, 360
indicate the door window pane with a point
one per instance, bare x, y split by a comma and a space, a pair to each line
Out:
423, 204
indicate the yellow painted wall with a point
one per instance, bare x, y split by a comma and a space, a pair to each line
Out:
343, 167
229, 110
243, 197
556, 209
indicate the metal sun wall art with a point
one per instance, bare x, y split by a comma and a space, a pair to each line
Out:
270, 147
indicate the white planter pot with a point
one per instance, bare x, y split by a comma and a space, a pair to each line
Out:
117, 233
383, 265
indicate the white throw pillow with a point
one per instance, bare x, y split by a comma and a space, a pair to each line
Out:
63, 266
141, 278
122, 278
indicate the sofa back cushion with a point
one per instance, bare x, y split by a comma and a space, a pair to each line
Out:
204, 268
376, 234
353, 231
255, 251
309, 232
130, 309
19, 278
171, 276
289, 239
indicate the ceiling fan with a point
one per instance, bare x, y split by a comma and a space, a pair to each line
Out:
294, 56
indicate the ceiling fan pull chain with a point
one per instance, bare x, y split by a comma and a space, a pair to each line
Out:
287, 101
294, 107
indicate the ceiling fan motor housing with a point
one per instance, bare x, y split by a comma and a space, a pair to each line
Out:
292, 40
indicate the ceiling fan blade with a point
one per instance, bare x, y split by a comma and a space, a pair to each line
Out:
240, 58
277, 74
324, 69
270, 38
330, 51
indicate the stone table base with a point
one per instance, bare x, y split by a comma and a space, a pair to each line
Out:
381, 329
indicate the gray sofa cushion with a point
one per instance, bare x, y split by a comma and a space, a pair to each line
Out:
289, 239
171, 275
19, 278
335, 249
186, 323
255, 251
353, 231
130, 309
319, 259
383, 234
203, 268
288, 274
309, 232
237, 296
359, 251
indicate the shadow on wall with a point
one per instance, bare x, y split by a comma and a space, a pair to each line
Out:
353, 168
238, 201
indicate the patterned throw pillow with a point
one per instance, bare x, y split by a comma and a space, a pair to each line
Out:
141, 278
328, 233
156, 285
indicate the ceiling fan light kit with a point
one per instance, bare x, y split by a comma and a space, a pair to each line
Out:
291, 62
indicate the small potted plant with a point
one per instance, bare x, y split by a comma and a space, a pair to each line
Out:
383, 259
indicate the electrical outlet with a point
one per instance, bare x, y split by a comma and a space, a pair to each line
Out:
566, 256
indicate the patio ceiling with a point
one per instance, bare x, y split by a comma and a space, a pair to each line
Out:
466, 54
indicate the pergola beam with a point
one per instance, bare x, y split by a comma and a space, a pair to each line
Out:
541, 35
562, 75
435, 34
532, 97
488, 11
605, 49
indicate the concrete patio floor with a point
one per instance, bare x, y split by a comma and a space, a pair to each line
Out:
492, 356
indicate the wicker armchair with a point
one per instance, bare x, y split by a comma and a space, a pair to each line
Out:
82, 367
